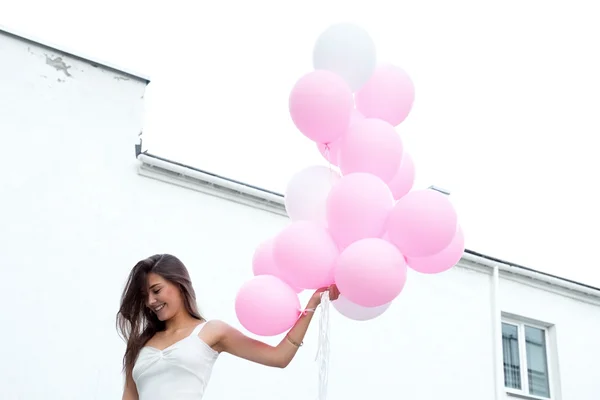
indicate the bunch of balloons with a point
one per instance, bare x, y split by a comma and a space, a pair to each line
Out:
361, 226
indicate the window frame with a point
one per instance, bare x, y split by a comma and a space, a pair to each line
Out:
524, 391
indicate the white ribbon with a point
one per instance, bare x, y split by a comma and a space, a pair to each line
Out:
322, 357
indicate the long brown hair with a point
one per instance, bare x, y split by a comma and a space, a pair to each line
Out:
137, 323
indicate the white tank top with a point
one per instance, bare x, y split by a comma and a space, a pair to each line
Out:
180, 371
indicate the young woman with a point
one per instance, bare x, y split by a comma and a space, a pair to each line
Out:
171, 348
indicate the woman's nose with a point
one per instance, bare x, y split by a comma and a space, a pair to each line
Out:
151, 300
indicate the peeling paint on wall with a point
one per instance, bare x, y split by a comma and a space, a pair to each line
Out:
58, 64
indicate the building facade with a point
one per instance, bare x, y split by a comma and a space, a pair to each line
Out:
81, 204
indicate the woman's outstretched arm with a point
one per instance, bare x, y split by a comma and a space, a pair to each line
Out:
235, 342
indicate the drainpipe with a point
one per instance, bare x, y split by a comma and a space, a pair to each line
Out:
497, 336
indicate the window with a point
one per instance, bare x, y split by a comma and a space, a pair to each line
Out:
524, 348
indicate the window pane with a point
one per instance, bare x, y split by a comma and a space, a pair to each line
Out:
510, 349
537, 364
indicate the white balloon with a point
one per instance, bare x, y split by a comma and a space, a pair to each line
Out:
359, 313
307, 191
347, 50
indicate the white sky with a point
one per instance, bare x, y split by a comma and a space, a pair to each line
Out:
506, 114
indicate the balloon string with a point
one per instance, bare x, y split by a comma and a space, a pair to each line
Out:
328, 157
322, 357
328, 154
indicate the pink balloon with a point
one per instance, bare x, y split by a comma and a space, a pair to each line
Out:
404, 178
267, 306
321, 104
442, 261
358, 207
331, 151
388, 95
263, 262
422, 223
372, 146
305, 254
370, 272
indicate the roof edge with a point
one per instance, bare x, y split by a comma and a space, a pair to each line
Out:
521, 267
195, 179
28, 38
275, 201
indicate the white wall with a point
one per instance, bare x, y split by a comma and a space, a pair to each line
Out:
76, 216
574, 332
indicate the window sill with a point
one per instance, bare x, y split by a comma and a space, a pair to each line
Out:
520, 395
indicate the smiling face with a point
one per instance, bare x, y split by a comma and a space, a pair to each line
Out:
164, 298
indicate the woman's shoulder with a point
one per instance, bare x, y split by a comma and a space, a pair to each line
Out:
218, 329
213, 332
215, 325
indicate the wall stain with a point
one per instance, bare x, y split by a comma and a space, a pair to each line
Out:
58, 64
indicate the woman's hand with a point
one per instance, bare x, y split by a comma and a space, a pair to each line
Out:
315, 300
